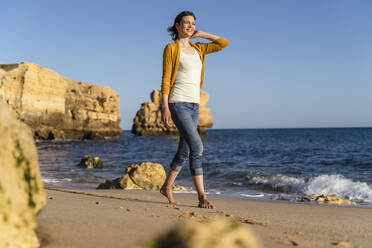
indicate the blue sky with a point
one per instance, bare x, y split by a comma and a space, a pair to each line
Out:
289, 63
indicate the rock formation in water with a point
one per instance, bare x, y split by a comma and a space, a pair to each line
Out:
148, 118
22, 194
56, 107
87, 161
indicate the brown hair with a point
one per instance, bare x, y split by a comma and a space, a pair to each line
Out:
173, 32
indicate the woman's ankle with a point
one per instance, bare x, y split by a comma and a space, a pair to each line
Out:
202, 197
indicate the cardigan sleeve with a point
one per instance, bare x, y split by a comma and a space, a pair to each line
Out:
167, 70
213, 46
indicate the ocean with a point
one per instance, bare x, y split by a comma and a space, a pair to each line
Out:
260, 164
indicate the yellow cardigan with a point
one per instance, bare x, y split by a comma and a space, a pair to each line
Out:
171, 58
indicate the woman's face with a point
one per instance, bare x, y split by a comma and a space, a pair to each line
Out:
186, 27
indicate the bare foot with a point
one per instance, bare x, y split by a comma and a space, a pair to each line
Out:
203, 203
168, 193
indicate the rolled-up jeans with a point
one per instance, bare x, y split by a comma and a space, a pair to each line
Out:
190, 148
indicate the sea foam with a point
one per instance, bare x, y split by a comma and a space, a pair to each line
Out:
51, 180
322, 184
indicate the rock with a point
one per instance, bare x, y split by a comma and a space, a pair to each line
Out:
181, 188
216, 233
110, 184
146, 176
148, 118
22, 194
55, 107
332, 199
89, 162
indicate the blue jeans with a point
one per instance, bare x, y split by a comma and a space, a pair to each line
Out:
185, 116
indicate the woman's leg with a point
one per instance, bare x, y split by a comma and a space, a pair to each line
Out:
198, 180
199, 185
178, 161
166, 189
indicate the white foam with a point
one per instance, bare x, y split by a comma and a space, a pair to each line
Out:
248, 195
322, 184
184, 192
52, 180
341, 186
286, 183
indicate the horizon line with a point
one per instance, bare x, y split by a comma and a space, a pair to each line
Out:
254, 128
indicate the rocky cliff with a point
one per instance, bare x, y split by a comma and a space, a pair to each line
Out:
148, 118
56, 107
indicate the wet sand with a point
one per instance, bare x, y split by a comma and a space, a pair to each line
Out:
125, 218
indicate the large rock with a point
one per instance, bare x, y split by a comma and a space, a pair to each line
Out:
56, 107
216, 233
147, 176
143, 176
22, 195
148, 118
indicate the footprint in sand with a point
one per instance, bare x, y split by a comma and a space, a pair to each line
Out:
286, 241
173, 206
241, 219
192, 215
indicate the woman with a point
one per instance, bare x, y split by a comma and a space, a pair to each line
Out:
183, 70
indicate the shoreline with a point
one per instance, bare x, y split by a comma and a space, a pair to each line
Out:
123, 218
238, 195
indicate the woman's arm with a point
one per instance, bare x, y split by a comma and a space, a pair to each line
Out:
204, 35
165, 85
218, 43
165, 113
167, 70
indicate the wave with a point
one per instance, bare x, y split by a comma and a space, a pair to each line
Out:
51, 180
322, 184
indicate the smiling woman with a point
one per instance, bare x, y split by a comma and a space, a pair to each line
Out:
183, 70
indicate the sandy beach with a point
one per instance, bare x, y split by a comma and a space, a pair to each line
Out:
125, 218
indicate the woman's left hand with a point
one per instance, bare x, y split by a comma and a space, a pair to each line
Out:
196, 34
204, 35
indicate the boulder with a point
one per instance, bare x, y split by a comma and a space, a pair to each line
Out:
332, 199
146, 176
22, 194
215, 233
55, 107
89, 162
148, 118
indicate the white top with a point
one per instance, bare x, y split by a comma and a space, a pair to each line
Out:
186, 87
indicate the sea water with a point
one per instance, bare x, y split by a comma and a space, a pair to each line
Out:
267, 164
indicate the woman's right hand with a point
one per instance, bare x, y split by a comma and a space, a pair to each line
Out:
166, 116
